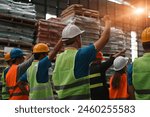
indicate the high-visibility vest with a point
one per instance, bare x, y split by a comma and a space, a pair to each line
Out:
17, 90
66, 85
5, 94
38, 91
120, 93
141, 77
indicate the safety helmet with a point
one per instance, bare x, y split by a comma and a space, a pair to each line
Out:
145, 37
40, 47
16, 52
7, 56
99, 55
120, 62
70, 31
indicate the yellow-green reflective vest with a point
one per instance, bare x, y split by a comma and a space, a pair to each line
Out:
66, 85
5, 94
38, 91
141, 77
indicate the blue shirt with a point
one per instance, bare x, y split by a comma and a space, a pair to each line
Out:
42, 73
83, 58
129, 74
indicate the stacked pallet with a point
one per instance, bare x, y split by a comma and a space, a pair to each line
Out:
86, 19
49, 31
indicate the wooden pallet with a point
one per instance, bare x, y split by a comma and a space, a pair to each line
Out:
79, 10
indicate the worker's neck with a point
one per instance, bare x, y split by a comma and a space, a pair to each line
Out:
71, 46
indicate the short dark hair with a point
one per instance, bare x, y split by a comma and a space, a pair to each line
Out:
14, 60
37, 55
146, 45
71, 41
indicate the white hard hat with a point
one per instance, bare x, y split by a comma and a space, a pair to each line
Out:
120, 62
70, 31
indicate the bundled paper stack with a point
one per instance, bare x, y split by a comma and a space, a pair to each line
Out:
17, 22
49, 31
85, 19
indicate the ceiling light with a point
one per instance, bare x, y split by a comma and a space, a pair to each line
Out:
139, 11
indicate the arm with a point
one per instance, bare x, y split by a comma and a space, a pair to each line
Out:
56, 49
101, 42
109, 62
24, 66
119, 53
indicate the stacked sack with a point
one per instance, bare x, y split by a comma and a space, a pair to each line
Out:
17, 22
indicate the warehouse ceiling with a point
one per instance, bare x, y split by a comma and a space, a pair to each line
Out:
121, 11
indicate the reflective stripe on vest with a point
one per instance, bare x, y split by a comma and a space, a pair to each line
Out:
79, 83
79, 97
94, 75
43, 87
48, 98
96, 85
144, 91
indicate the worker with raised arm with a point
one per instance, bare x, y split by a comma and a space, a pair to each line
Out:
70, 74
98, 82
37, 74
18, 90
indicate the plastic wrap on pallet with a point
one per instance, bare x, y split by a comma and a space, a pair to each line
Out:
18, 9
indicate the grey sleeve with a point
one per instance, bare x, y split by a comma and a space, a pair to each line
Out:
24, 66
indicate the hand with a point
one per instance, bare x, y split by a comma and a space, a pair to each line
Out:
106, 19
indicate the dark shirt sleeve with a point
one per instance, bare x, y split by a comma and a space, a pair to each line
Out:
43, 67
83, 58
24, 66
107, 64
23, 77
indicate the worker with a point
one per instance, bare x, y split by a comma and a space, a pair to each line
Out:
118, 82
70, 75
18, 90
5, 94
98, 81
37, 74
130, 84
141, 69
